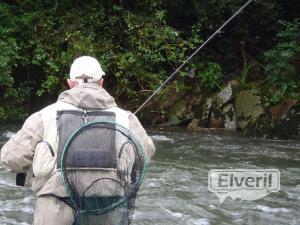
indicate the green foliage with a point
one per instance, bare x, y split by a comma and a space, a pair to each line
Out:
281, 73
9, 55
286, 90
210, 76
139, 44
279, 68
48, 85
245, 72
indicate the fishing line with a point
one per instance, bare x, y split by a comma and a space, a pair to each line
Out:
192, 55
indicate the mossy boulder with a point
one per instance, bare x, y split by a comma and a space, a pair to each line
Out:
248, 107
181, 112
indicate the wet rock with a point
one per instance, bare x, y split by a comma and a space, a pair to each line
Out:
260, 128
288, 128
204, 117
216, 122
285, 127
180, 113
224, 96
193, 125
248, 107
216, 119
230, 117
170, 96
280, 111
234, 83
195, 100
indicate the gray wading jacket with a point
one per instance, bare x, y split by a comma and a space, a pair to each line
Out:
18, 153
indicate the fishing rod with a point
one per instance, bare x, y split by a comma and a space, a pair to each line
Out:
192, 55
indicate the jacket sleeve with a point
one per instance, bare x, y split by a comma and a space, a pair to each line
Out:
140, 133
17, 153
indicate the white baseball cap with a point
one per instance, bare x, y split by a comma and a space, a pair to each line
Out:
86, 69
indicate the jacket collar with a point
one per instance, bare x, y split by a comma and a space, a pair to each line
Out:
88, 96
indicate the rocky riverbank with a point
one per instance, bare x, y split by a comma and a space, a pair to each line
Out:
232, 109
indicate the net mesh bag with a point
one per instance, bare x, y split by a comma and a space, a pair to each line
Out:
102, 167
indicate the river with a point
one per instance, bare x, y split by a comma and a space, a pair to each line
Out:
175, 190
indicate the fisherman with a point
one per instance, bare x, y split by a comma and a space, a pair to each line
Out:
34, 149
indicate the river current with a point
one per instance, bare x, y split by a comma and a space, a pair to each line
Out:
175, 190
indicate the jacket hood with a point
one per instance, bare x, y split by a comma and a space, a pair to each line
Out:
88, 96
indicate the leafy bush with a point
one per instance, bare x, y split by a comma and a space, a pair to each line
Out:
281, 73
279, 68
139, 44
210, 76
10, 96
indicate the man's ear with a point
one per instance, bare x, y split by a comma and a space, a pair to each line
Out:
71, 83
100, 82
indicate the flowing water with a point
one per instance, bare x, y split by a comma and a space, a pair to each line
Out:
175, 190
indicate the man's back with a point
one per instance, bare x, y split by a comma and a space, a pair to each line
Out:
44, 130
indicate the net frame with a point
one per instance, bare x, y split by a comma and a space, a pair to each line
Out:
133, 190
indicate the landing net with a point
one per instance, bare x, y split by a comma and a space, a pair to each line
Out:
102, 166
